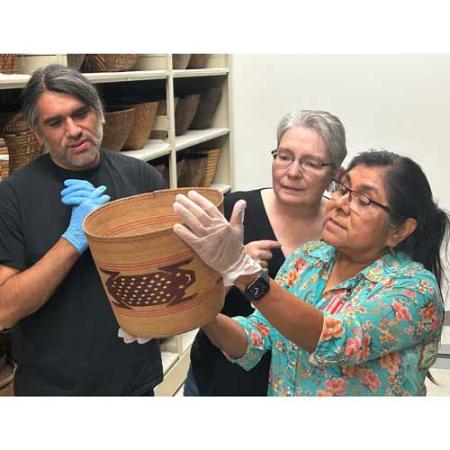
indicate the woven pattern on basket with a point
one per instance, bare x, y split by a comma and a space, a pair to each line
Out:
180, 61
185, 112
108, 62
9, 63
13, 123
209, 100
75, 60
198, 61
23, 148
212, 156
144, 118
193, 169
117, 128
7, 372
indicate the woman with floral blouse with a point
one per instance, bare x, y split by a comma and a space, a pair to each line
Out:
359, 312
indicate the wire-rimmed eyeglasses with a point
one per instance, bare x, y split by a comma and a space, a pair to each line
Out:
358, 201
284, 158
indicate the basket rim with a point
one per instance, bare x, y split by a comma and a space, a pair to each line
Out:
139, 236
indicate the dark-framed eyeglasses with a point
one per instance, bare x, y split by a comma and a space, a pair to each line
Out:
358, 201
284, 158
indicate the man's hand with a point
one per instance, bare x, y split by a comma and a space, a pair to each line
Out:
84, 198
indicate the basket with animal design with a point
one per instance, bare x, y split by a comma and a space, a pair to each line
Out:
156, 284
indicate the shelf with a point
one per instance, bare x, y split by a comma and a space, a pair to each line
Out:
200, 72
194, 137
132, 75
12, 81
17, 80
153, 149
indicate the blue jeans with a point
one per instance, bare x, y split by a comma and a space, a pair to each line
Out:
190, 385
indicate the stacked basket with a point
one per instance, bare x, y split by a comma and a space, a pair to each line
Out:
21, 142
4, 160
108, 62
8, 63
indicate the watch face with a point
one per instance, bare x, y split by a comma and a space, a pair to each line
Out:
257, 288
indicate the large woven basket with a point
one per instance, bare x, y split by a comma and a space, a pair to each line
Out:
144, 118
118, 126
180, 61
185, 112
8, 63
212, 156
75, 60
108, 62
23, 148
209, 100
198, 61
4, 160
156, 284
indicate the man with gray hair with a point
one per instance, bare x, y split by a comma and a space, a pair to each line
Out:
63, 332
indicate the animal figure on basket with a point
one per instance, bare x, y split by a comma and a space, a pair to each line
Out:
165, 287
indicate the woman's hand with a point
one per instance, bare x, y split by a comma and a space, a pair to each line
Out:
213, 238
261, 251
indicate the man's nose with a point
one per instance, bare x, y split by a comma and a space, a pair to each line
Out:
72, 128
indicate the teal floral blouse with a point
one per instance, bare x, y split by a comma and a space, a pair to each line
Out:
380, 333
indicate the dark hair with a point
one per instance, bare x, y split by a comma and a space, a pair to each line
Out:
409, 195
57, 78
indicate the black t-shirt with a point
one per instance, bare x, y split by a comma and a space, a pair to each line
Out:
214, 374
70, 345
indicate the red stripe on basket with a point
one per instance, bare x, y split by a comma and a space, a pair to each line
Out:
165, 310
139, 223
146, 265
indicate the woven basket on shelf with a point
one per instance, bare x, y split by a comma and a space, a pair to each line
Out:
108, 62
117, 128
193, 169
180, 61
161, 123
209, 101
13, 123
9, 63
144, 118
4, 161
185, 112
212, 156
75, 60
156, 284
198, 61
23, 148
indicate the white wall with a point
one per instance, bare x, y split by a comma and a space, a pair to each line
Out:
401, 103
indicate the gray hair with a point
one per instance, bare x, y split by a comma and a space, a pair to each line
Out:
58, 78
326, 125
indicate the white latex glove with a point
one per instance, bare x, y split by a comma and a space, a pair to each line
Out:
212, 237
261, 251
128, 339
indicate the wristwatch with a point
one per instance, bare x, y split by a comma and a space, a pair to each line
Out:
258, 287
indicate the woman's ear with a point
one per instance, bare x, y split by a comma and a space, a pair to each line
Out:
402, 232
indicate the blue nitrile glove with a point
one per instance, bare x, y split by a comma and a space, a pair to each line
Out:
76, 191
74, 233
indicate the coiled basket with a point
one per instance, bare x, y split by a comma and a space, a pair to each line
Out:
156, 284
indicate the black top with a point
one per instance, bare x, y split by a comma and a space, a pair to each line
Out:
70, 345
214, 374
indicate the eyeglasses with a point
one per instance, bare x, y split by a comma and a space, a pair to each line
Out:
358, 201
284, 158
